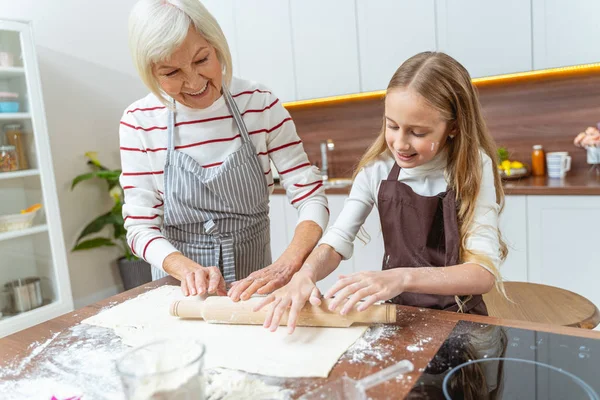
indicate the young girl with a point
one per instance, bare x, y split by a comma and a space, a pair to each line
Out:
431, 175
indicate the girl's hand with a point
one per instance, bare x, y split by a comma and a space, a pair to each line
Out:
265, 280
195, 279
372, 286
293, 296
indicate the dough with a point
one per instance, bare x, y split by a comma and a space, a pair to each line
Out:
308, 352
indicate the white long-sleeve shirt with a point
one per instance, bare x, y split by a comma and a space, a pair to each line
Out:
425, 180
209, 136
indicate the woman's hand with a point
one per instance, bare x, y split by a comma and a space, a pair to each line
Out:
265, 280
293, 296
372, 286
195, 279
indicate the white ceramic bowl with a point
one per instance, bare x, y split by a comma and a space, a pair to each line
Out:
13, 222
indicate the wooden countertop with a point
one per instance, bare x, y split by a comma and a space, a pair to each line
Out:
582, 183
414, 325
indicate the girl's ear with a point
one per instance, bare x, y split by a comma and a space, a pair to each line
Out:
452, 129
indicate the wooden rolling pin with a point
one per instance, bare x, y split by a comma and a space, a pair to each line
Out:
222, 310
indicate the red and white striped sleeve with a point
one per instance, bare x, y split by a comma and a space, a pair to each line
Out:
143, 208
300, 179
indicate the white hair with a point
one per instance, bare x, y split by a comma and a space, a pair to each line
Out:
158, 27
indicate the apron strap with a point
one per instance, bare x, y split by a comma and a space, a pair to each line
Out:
171, 129
237, 116
394, 173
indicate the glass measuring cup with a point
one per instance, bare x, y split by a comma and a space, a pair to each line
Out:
169, 369
350, 389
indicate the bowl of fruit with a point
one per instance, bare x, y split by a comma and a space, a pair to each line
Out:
510, 169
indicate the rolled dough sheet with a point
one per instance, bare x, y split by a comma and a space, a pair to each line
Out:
308, 352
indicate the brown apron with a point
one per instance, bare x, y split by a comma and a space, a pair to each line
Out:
421, 231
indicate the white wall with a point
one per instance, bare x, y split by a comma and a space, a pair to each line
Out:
87, 81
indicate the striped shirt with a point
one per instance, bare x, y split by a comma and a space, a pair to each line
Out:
209, 135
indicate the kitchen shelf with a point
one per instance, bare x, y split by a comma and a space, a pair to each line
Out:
14, 323
39, 250
23, 232
21, 115
11, 72
19, 174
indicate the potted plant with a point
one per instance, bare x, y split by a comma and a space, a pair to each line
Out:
134, 271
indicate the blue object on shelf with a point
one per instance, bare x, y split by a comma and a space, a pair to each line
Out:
9, 107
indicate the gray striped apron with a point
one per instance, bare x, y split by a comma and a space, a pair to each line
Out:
218, 216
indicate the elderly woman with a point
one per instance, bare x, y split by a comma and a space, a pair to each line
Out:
196, 156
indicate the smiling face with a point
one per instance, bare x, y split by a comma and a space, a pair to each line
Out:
192, 75
414, 131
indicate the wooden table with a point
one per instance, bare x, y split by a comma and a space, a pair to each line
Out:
544, 304
415, 324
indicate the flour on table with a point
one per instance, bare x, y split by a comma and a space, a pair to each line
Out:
80, 362
371, 348
223, 384
241, 347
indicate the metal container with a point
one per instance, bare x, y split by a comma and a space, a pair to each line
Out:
6, 305
26, 293
593, 155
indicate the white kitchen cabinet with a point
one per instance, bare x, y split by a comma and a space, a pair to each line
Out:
513, 226
223, 12
279, 231
385, 43
369, 256
564, 32
487, 37
325, 47
39, 250
336, 203
264, 45
563, 243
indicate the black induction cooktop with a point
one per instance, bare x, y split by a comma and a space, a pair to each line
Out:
494, 362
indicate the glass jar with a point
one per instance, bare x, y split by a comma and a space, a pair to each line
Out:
14, 137
538, 160
8, 159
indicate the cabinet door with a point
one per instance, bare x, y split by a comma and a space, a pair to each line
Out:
264, 45
279, 232
384, 43
325, 47
368, 256
513, 226
336, 203
487, 37
563, 243
563, 32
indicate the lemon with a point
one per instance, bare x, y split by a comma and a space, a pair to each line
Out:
516, 164
506, 165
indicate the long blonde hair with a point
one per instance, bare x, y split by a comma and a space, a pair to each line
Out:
446, 85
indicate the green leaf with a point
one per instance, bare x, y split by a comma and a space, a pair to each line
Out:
94, 243
502, 154
99, 223
120, 231
110, 176
82, 177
